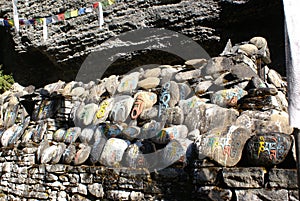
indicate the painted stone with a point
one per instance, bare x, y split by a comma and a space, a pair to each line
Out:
82, 154
85, 114
97, 143
109, 130
59, 134
223, 147
103, 111
188, 104
61, 147
268, 149
87, 133
48, 154
111, 84
133, 157
143, 101
71, 135
121, 109
171, 133
128, 83
217, 117
184, 91
69, 154
113, 151
228, 97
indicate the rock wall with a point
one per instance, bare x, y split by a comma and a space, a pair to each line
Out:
23, 179
210, 23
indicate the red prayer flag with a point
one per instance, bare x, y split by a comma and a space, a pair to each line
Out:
61, 17
95, 5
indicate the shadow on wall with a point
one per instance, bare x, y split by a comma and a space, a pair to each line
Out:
28, 68
256, 18
238, 22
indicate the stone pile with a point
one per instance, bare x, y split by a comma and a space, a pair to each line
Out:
156, 117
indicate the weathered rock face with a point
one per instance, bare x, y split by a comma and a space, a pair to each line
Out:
210, 23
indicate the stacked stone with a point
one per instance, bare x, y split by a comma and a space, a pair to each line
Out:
154, 118
218, 103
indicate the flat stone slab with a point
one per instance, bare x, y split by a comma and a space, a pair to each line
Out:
252, 177
262, 194
283, 178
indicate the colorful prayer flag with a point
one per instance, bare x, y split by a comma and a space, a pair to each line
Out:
55, 18
6, 23
111, 2
48, 20
11, 22
74, 13
39, 20
67, 14
61, 16
81, 11
89, 10
95, 5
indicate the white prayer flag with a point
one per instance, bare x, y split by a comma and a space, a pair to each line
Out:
292, 38
15, 14
101, 20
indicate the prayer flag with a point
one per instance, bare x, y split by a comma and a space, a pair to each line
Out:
10, 22
89, 10
74, 13
95, 5
81, 11
48, 20
111, 2
55, 18
61, 16
1, 22
67, 14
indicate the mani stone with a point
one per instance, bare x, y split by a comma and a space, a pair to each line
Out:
268, 149
128, 83
223, 147
113, 151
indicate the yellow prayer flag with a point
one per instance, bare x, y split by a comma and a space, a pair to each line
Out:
111, 2
74, 13
11, 22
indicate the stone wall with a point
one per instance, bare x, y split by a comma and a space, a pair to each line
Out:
210, 23
23, 179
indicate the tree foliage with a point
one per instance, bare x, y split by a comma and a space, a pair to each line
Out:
5, 81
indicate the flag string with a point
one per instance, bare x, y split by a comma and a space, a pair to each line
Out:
61, 16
